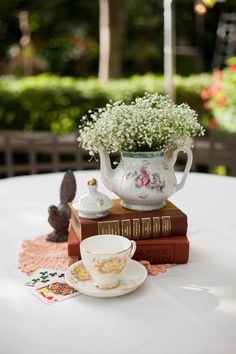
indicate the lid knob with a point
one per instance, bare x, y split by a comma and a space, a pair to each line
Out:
92, 182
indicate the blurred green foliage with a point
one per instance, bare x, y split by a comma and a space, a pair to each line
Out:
65, 36
53, 103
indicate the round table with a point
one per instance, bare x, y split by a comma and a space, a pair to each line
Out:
189, 309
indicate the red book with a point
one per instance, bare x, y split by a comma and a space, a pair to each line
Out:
157, 251
133, 224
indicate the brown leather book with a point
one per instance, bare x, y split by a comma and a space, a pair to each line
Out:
136, 225
156, 251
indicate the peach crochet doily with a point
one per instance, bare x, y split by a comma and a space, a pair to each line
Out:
40, 253
155, 269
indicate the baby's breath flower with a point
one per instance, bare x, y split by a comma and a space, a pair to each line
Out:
149, 123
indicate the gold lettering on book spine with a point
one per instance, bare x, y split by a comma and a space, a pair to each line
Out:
166, 225
146, 227
136, 229
156, 226
126, 228
109, 227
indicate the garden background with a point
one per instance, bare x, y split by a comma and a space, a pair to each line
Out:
52, 70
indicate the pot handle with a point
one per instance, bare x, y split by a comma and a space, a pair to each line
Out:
189, 153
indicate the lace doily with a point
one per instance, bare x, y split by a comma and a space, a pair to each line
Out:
40, 253
155, 269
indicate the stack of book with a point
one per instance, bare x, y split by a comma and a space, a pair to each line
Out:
160, 235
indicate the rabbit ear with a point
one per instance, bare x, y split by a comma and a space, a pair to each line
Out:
68, 187
52, 208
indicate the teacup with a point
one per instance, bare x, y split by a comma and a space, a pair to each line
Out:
106, 257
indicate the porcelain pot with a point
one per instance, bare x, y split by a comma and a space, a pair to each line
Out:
144, 180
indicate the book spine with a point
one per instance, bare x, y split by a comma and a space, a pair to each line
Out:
171, 250
73, 245
163, 253
134, 228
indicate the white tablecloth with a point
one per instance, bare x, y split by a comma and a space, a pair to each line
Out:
190, 309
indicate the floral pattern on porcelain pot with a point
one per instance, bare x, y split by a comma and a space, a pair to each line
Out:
144, 178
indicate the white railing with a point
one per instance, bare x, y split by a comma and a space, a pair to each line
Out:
40, 152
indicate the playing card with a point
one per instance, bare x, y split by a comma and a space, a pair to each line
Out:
44, 276
49, 286
54, 292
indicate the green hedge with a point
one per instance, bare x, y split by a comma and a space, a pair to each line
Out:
48, 102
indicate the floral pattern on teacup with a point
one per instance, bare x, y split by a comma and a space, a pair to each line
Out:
80, 273
111, 265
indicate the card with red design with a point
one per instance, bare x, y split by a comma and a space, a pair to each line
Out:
54, 292
49, 286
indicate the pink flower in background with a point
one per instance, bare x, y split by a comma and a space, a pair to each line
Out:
218, 74
205, 94
143, 179
220, 97
233, 68
213, 123
216, 88
222, 101
206, 105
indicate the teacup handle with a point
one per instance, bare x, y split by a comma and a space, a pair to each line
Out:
189, 153
133, 248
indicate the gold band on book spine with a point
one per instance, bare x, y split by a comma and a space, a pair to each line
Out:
126, 228
166, 225
146, 227
109, 227
156, 226
136, 229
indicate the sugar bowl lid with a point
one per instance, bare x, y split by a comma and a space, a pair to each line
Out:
93, 204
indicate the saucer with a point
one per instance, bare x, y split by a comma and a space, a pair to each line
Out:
134, 276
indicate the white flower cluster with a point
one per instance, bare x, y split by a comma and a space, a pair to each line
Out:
149, 123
